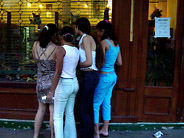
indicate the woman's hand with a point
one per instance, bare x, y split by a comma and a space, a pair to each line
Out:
49, 97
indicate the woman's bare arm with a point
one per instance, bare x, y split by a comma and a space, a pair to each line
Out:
88, 52
60, 53
119, 59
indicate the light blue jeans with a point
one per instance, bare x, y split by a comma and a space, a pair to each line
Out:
64, 100
102, 96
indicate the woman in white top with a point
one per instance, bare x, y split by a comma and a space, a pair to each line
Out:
67, 86
87, 49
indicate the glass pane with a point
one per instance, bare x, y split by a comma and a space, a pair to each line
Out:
22, 20
160, 53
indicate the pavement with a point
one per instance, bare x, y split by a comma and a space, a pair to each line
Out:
25, 128
28, 133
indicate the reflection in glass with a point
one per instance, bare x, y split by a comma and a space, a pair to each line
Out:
160, 52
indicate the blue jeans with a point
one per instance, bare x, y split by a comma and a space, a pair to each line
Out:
89, 83
64, 100
102, 96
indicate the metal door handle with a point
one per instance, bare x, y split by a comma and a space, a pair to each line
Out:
125, 89
129, 89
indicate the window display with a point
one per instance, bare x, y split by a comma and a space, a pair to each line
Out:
21, 22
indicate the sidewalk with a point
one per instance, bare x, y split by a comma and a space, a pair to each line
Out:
24, 129
21, 133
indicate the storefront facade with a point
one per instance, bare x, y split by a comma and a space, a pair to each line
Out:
149, 87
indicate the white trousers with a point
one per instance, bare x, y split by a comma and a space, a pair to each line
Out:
64, 100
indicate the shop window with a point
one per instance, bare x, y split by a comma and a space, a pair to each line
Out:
161, 49
21, 22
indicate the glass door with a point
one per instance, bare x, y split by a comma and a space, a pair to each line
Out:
161, 61
161, 50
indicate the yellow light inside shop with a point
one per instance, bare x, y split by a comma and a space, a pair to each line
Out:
28, 4
86, 6
40, 6
48, 14
108, 6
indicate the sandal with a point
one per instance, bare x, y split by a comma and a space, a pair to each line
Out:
102, 135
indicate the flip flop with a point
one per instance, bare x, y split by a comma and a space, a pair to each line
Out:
102, 135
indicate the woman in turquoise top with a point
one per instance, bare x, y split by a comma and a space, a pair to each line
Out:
107, 56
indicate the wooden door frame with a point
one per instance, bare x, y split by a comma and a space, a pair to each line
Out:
180, 104
142, 66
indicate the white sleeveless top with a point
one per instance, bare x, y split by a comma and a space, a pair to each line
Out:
83, 56
70, 62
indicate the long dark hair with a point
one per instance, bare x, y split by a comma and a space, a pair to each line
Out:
108, 30
47, 34
100, 57
83, 25
67, 33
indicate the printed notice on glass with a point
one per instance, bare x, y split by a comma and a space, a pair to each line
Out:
162, 27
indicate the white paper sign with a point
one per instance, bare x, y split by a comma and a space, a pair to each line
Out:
162, 27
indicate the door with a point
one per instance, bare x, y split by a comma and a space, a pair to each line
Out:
148, 81
161, 60
125, 15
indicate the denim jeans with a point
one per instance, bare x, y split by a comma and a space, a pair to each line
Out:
102, 96
89, 83
64, 100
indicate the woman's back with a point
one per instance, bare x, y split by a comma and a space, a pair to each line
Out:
70, 61
46, 65
91, 45
45, 57
110, 57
